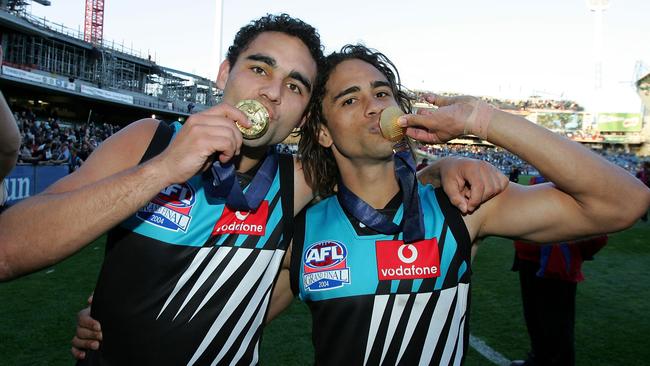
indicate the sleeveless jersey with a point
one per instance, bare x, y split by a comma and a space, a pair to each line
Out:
187, 281
377, 301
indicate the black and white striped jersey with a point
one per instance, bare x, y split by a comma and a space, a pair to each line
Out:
377, 301
187, 281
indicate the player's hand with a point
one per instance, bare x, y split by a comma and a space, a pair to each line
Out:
447, 122
88, 333
205, 134
470, 182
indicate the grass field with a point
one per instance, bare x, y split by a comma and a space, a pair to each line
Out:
612, 322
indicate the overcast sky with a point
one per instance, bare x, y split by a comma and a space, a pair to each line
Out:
507, 48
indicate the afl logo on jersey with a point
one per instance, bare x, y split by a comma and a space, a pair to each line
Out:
170, 209
176, 195
325, 254
325, 266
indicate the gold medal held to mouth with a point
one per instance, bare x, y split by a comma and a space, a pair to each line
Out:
388, 124
257, 114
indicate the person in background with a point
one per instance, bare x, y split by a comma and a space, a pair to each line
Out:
548, 276
75, 160
514, 174
62, 155
423, 164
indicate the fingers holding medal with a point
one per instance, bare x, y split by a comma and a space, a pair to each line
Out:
258, 116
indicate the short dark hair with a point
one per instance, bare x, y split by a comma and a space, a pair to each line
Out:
282, 23
319, 166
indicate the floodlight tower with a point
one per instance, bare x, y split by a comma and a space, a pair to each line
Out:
94, 21
220, 17
597, 7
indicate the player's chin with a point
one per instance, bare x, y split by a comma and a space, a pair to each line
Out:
383, 150
258, 142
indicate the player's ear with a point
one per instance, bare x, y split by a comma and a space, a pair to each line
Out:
222, 76
324, 136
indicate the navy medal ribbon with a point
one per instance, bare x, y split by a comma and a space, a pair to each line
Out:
221, 181
412, 224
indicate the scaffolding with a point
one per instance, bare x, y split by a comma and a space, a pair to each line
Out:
104, 65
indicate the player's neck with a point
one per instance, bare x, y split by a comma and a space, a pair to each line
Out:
373, 182
249, 157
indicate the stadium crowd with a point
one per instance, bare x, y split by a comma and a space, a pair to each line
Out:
520, 104
506, 161
500, 158
52, 141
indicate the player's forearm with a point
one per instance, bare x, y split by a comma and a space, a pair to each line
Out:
49, 227
603, 189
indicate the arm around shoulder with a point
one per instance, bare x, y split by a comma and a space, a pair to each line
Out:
467, 182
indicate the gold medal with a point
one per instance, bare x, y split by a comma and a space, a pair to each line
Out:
388, 124
257, 114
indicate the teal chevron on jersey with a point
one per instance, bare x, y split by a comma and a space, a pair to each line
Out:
379, 301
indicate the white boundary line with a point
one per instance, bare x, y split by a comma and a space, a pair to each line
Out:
487, 352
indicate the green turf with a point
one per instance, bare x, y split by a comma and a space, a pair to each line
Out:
38, 312
612, 322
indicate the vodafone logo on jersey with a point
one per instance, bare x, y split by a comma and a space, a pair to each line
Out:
243, 222
399, 261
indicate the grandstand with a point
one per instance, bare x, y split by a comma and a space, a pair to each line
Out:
49, 68
609, 133
618, 137
643, 89
69, 94
58, 80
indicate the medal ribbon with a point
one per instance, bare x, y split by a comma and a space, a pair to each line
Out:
221, 181
412, 224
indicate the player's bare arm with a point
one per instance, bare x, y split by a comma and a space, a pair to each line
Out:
109, 187
588, 195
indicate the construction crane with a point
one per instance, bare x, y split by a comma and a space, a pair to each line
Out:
94, 21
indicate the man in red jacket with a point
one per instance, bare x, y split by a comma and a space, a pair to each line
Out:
548, 276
